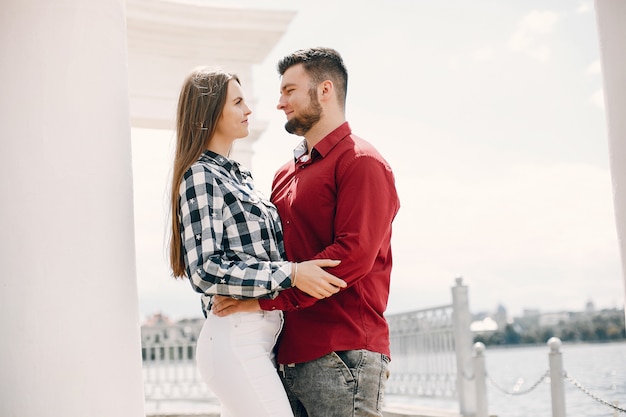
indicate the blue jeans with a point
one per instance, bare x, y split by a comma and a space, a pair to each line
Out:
341, 384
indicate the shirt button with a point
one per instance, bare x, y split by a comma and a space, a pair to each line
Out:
288, 221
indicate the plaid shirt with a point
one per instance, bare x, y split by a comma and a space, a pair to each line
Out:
232, 237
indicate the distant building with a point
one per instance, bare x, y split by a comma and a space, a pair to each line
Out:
530, 312
159, 333
501, 317
552, 319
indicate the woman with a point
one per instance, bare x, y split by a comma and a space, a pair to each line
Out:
227, 240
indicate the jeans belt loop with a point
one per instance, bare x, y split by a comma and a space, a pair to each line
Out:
281, 367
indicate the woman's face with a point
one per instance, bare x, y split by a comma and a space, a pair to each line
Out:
233, 123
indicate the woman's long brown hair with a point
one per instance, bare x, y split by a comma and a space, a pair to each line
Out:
200, 106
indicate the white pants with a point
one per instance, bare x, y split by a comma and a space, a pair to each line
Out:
235, 358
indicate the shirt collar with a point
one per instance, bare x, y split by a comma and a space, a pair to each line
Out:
217, 159
326, 144
227, 164
300, 150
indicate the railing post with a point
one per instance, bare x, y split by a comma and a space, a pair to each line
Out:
480, 378
556, 378
463, 346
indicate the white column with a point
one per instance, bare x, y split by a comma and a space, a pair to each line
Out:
68, 299
611, 22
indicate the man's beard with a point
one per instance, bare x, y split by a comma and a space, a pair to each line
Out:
299, 125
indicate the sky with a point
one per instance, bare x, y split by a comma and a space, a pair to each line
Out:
491, 115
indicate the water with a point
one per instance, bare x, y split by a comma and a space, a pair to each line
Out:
600, 368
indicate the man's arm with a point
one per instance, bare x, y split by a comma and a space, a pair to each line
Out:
366, 204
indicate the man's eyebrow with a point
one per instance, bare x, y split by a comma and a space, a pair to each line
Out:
284, 87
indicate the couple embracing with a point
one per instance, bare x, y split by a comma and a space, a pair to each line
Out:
293, 289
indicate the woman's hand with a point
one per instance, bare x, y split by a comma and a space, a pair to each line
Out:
309, 277
225, 306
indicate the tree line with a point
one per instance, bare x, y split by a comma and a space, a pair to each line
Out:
600, 326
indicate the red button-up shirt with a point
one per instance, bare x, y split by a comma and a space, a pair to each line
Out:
337, 204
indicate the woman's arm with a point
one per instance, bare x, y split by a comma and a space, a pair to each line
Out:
222, 264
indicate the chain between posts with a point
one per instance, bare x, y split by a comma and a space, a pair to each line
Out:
590, 394
517, 391
565, 376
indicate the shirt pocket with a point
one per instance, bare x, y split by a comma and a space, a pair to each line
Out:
251, 207
253, 212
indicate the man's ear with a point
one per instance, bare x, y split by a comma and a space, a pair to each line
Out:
326, 89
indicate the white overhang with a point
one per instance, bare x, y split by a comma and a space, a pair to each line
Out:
167, 38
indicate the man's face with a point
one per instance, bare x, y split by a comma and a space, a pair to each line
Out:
299, 101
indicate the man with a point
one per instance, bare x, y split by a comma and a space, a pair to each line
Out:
337, 200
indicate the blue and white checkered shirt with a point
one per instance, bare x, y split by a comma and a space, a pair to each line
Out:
232, 236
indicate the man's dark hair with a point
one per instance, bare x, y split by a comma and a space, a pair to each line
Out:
321, 64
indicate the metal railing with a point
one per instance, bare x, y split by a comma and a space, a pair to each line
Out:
170, 374
422, 348
431, 350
